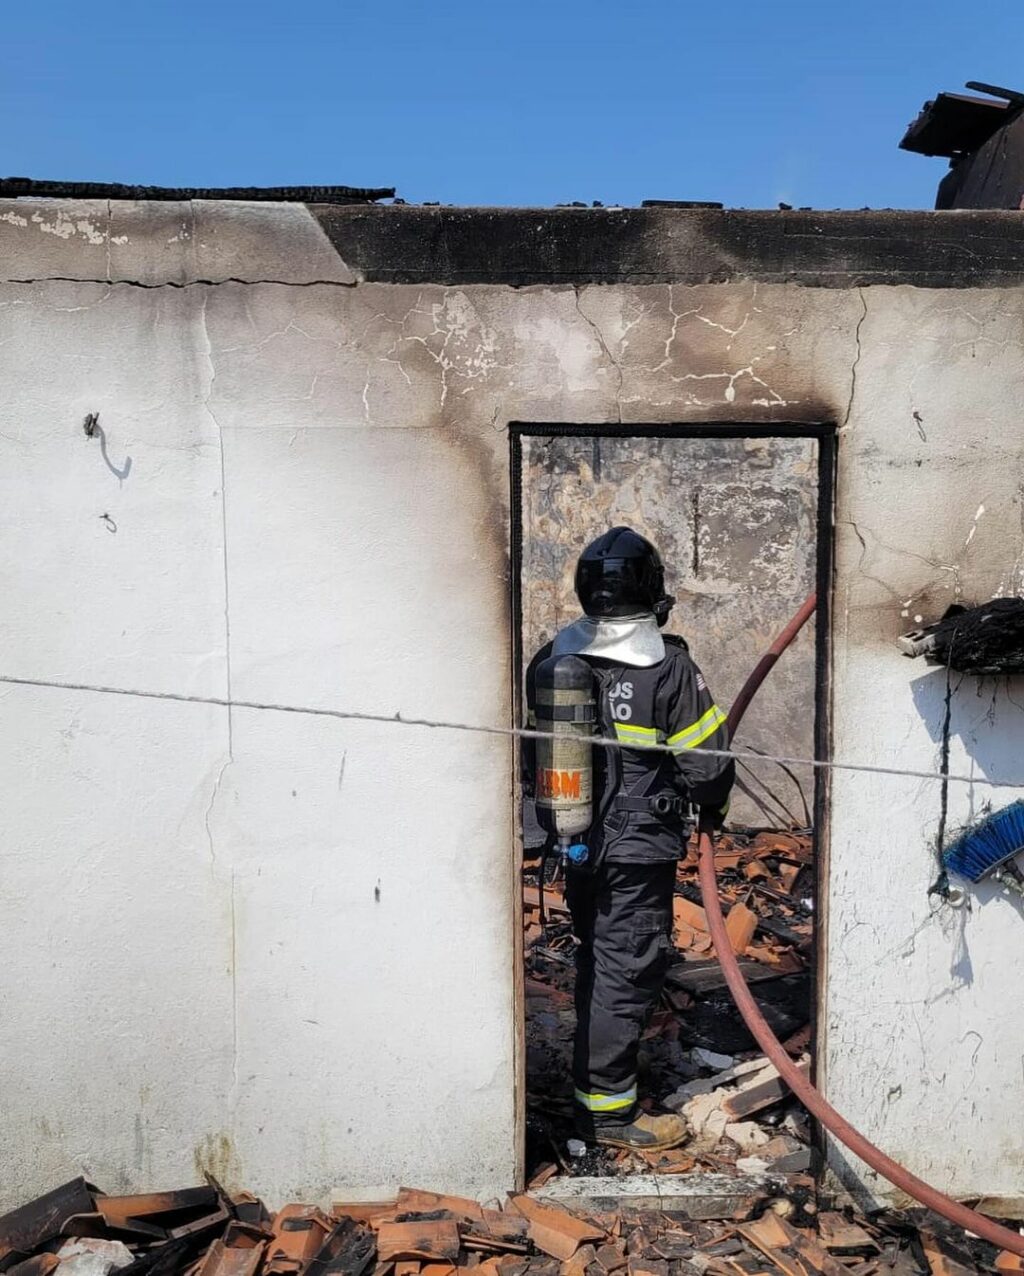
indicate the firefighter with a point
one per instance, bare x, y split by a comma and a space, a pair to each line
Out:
649, 690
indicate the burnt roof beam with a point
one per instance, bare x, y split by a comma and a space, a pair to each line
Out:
18, 187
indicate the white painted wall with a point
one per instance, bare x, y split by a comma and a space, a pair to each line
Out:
282, 947
924, 1046
269, 945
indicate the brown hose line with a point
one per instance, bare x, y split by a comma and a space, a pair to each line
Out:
815, 1102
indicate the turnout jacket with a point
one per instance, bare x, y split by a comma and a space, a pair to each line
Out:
642, 799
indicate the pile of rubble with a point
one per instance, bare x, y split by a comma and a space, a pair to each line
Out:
76, 1230
699, 1058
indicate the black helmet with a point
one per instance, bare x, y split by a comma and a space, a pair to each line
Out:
620, 574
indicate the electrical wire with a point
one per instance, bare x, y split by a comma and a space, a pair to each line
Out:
520, 733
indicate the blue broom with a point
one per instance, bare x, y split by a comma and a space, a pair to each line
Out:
987, 849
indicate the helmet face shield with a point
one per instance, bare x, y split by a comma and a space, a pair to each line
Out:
620, 574
614, 587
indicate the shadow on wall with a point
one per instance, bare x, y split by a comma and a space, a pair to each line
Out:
986, 716
986, 720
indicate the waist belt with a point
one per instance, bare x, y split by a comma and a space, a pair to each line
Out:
662, 804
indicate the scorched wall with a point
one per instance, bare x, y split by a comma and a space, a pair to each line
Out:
282, 947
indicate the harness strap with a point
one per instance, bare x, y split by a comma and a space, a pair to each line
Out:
660, 804
569, 712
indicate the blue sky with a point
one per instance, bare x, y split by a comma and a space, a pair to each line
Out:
516, 103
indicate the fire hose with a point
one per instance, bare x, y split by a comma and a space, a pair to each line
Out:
811, 1098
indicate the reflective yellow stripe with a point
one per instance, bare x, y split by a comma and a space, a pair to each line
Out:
698, 731
607, 1102
640, 736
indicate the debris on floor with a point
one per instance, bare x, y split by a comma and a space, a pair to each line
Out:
699, 1058
206, 1231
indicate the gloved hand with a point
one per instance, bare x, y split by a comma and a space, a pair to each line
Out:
714, 816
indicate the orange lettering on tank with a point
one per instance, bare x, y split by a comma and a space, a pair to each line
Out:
554, 784
570, 783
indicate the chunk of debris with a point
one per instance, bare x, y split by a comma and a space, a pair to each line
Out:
297, 1233
580, 1261
648, 1267
705, 1115
424, 1233
764, 1091
90, 1256
611, 1257
740, 925
748, 1136
841, 1235
413, 1200
794, 1251
421, 1239
38, 1265
787, 1155
23, 1229
222, 1259
157, 1214
555, 1231
709, 1059
676, 1101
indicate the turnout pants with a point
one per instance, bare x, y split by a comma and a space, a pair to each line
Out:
622, 916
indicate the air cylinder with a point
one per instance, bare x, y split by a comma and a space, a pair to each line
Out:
566, 707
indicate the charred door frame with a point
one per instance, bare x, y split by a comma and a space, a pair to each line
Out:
825, 433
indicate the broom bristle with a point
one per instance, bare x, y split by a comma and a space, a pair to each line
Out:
982, 847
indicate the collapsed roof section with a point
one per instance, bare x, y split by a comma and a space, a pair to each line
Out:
983, 139
953, 124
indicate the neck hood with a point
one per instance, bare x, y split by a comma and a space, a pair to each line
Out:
634, 640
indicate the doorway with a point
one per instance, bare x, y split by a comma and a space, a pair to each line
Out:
742, 517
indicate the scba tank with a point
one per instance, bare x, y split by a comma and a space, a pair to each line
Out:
566, 708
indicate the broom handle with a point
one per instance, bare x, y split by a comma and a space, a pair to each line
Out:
1009, 879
